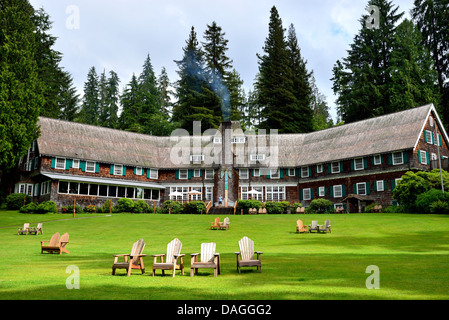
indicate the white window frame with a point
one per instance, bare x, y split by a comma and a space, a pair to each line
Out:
359, 164
377, 159
338, 166
244, 174
429, 136
291, 172
76, 164
118, 169
90, 163
431, 121
183, 172
275, 173
209, 174
321, 191
423, 155
257, 157
305, 173
394, 158
319, 168
275, 193
380, 185
197, 158
58, 163
139, 171
256, 172
361, 188
154, 173
307, 194
196, 173
340, 191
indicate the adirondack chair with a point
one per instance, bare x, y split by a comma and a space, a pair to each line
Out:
24, 229
134, 260
326, 227
215, 224
35, 230
300, 226
56, 244
313, 226
245, 258
208, 259
225, 224
172, 256
300, 210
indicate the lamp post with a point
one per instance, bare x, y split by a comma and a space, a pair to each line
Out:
439, 158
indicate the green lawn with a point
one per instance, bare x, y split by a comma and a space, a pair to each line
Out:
411, 252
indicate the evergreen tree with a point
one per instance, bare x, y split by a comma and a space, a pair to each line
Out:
165, 93
432, 19
321, 116
130, 107
113, 99
362, 80
414, 78
21, 89
237, 99
195, 100
148, 95
91, 103
68, 103
282, 83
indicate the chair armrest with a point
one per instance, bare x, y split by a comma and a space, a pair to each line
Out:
138, 255
194, 254
237, 253
158, 255
258, 252
179, 255
121, 255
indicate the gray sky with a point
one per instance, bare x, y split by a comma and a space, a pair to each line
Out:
118, 34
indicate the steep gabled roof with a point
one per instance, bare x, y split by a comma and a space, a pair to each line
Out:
393, 132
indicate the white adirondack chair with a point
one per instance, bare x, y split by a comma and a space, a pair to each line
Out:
326, 227
225, 224
172, 256
36, 229
24, 229
246, 258
134, 260
208, 259
313, 226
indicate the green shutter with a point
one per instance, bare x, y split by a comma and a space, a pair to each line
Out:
390, 159
405, 156
341, 166
177, 174
190, 174
343, 190
83, 166
112, 169
331, 191
311, 194
352, 164
329, 167
281, 173
68, 164
427, 158
124, 171
97, 167
393, 184
310, 171
365, 163
439, 140
433, 138
53, 163
425, 135
300, 195
148, 173
367, 188
354, 188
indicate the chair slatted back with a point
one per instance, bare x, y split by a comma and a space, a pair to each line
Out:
327, 223
217, 221
314, 224
54, 240
226, 221
300, 224
26, 226
39, 226
136, 250
173, 248
208, 252
64, 238
246, 246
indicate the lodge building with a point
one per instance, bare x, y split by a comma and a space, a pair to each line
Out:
352, 165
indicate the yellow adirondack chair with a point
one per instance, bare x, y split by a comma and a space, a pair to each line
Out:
56, 244
300, 226
215, 224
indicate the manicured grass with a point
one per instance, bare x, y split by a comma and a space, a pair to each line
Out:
411, 252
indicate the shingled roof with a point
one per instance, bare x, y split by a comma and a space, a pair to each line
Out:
393, 132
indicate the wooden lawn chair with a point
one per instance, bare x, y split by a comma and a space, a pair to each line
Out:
36, 230
172, 256
300, 226
313, 226
245, 258
326, 227
225, 224
134, 260
208, 259
24, 229
300, 210
215, 224
56, 244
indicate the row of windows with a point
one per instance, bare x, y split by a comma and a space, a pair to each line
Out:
272, 193
103, 190
184, 194
35, 189
339, 191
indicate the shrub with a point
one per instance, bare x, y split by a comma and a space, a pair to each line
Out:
140, 206
174, 206
194, 207
426, 199
320, 205
107, 206
29, 208
247, 204
46, 206
440, 207
125, 205
16, 200
295, 206
78, 209
277, 207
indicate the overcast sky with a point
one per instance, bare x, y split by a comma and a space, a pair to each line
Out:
118, 34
